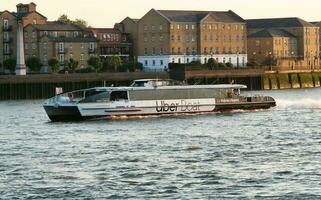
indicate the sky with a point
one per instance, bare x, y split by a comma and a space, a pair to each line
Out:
105, 13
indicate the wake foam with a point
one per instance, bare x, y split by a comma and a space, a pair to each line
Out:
306, 103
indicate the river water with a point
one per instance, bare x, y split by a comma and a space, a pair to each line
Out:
274, 154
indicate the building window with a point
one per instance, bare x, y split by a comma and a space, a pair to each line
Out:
172, 26
45, 32
6, 24
186, 27
153, 38
205, 60
161, 62
33, 46
55, 34
45, 45
62, 58
26, 34
224, 61
161, 27
178, 27
26, 46
145, 39
33, 34
173, 37
34, 21
179, 60
154, 51
173, 50
161, 51
76, 33
193, 39
154, 62
91, 46
145, 51
61, 47
81, 45
70, 46
6, 36
6, 47
146, 62
153, 28
45, 57
187, 60
145, 28
161, 38
193, 26
179, 50
82, 57
179, 38
173, 60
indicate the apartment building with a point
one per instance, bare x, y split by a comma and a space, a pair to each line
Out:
305, 55
270, 44
57, 40
26, 14
112, 41
169, 36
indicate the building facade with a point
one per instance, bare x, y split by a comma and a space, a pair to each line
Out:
307, 40
269, 45
112, 42
60, 41
27, 14
165, 36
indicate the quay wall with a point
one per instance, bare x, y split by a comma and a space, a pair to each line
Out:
43, 86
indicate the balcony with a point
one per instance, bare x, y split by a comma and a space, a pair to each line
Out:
63, 51
7, 28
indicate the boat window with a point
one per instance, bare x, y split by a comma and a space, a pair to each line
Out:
139, 84
118, 95
95, 96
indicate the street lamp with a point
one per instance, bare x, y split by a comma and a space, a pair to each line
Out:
237, 60
270, 54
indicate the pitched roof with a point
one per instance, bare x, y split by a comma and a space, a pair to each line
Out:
271, 33
56, 27
277, 22
197, 16
22, 15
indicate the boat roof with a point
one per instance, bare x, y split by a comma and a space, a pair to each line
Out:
176, 87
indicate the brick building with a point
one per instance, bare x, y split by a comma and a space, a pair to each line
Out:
28, 14
165, 36
285, 30
111, 42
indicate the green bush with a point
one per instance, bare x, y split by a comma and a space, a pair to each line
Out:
95, 63
85, 70
34, 64
54, 65
212, 64
221, 65
229, 65
10, 64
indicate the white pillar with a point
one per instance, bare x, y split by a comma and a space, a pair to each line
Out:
21, 66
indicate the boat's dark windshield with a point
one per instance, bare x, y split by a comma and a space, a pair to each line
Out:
95, 96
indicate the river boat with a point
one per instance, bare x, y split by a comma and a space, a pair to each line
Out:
151, 97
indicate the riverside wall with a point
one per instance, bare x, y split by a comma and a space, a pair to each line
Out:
43, 86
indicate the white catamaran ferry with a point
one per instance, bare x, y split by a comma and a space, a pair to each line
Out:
151, 97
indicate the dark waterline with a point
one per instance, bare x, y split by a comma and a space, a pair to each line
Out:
272, 154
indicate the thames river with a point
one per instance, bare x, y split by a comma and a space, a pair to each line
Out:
273, 154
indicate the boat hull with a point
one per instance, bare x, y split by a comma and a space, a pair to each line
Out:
77, 113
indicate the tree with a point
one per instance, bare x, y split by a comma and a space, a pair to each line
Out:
115, 61
95, 63
72, 64
212, 63
10, 64
79, 22
54, 65
34, 64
